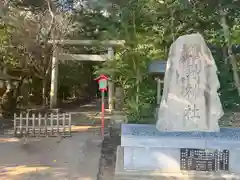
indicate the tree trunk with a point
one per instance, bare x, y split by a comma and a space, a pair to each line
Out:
225, 54
138, 85
9, 101
229, 49
44, 91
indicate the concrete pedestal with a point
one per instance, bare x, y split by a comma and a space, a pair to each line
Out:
136, 174
147, 153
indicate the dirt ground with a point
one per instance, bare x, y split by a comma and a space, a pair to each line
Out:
74, 158
71, 158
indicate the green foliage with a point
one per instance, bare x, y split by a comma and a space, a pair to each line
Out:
75, 78
129, 68
129, 71
228, 92
7, 50
149, 27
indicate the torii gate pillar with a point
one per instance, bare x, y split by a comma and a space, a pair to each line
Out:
110, 84
54, 78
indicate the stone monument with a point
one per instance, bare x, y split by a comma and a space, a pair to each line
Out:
118, 116
186, 142
190, 100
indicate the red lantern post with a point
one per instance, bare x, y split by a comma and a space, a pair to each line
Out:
102, 82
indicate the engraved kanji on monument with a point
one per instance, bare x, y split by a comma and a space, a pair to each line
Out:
190, 100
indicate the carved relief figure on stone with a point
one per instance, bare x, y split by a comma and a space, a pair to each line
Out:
190, 101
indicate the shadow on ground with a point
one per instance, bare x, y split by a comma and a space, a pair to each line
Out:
72, 158
108, 156
51, 158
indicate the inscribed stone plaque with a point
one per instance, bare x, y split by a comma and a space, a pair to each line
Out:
204, 160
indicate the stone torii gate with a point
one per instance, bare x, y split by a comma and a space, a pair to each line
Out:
81, 57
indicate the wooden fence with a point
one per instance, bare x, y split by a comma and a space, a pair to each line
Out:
53, 124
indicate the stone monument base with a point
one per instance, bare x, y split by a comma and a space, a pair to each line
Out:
125, 174
148, 154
